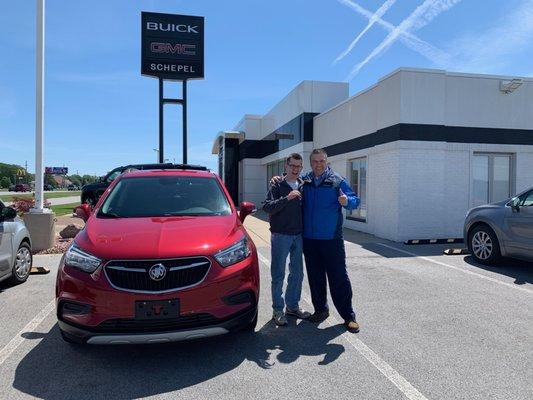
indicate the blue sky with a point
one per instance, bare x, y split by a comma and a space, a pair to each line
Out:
101, 113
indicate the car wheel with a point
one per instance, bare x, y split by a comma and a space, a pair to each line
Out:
484, 244
251, 325
22, 265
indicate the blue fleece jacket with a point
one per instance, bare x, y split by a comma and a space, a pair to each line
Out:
322, 217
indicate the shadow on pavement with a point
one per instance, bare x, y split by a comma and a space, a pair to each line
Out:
427, 250
521, 271
57, 370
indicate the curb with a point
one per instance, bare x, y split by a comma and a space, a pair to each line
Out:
455, 252
433, 241
39, 270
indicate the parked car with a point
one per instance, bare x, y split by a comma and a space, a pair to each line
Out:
163, 257
501, 229
47, 186
11, 188
15, 247
91, 192
22, 187
72, 187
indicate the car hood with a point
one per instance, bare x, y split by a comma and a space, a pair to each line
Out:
158, 237
492, 206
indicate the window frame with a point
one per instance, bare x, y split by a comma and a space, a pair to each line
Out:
349, 216
512, 174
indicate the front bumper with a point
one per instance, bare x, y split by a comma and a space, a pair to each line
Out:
235, 322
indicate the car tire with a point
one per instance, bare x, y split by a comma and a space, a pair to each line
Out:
22, 264
483, 245
250, 327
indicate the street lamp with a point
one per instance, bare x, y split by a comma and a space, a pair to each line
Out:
157, 151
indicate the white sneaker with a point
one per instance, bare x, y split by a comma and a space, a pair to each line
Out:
279, 318
298, 313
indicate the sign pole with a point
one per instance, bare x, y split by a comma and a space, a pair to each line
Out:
161, 106
184, 106
39, 109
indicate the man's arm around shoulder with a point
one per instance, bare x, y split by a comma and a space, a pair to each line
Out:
274, 201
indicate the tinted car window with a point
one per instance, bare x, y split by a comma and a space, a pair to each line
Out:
526, 199
165, 196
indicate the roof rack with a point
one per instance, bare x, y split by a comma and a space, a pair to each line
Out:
170, 166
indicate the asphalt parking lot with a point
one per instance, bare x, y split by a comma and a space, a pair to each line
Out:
432, 327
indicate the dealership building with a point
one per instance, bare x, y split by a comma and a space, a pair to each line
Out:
420, 147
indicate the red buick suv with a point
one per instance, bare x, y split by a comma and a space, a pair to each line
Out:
163, 257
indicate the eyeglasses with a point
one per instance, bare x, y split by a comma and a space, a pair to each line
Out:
295, 166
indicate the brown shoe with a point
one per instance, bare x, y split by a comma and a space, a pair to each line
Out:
352, 326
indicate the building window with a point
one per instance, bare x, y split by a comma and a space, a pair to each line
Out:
276, 168
358, 184
493, 177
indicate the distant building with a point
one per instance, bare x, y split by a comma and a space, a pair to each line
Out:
62, 181
420, 147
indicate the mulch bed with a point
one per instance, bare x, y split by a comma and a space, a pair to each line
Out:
60, 246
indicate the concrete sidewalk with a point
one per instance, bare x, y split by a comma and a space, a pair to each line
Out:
258, 226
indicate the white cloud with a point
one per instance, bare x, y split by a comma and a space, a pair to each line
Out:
419, 18
371, 21
492, 51
433, 54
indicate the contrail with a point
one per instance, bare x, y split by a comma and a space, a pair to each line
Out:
371, 21
436, 56
419, 18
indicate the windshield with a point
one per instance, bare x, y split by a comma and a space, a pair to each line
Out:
158, 196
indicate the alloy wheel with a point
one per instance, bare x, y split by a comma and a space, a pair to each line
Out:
482, 245
23, 262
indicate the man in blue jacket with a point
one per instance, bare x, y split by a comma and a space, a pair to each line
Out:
324, 193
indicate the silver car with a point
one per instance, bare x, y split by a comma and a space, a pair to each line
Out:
15, 247
501, 229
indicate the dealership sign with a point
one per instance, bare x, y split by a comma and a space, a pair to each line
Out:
56, 170
172, 46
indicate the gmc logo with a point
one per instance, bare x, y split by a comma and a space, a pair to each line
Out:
167, 48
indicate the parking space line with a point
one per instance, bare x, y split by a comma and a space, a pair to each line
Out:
18, 339
466, 271
390, 373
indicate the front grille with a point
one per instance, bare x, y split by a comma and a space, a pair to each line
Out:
132, 275
163, 325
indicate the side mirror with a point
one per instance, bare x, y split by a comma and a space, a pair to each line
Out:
514, 204
8, 213
83, 211
247, 208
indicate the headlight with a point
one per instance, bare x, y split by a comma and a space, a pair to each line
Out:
233, 254
77, 258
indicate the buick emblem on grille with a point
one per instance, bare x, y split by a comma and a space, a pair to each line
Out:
157, 272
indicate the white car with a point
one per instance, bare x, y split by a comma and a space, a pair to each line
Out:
15, 247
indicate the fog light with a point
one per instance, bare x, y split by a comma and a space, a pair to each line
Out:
71, 308
240, 298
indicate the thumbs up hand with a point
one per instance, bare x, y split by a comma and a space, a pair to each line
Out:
343, 199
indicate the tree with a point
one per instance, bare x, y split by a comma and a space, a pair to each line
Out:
49, 180
5, 182
75, 179
86, 179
